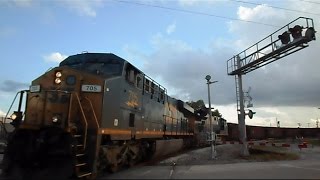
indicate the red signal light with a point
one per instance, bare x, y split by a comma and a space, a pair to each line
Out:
284, 38
296, 31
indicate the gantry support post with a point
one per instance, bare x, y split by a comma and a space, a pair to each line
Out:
241, 114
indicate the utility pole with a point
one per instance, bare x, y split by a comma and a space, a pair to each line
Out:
212, 155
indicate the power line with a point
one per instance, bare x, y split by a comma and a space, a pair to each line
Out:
276, 7
193, 12
312, 2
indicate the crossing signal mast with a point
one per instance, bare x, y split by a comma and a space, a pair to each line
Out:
273, 47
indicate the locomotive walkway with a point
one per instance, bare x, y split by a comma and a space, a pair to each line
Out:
307, 167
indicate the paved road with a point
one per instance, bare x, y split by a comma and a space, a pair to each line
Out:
308, 167
298, 169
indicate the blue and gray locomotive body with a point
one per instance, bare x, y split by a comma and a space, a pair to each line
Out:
93, 112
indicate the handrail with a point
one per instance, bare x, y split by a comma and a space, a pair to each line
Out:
14, 99
6, 116
69, 111
85, 121
94, 113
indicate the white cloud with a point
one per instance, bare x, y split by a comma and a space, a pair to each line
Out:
259, 12
55, 57
188, 2
268, 116
84, 7
289, 81
271, 110
283, 91
2, 114
171, 28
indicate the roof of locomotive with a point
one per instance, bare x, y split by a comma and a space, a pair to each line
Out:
91, 58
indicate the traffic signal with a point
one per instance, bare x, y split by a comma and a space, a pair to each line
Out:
284, 37
296, 31
202, 112
310, 33
251, 113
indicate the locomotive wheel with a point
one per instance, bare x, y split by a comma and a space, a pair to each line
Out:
133, 157
101, 162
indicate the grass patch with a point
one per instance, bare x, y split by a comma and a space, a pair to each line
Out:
259, 154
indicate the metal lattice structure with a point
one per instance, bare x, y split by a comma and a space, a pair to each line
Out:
273, 47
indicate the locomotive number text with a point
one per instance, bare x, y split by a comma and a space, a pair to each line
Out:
91, 88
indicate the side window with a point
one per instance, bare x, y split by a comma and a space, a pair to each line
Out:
161, 94
139, 81
152, 88
133, 76
147, 85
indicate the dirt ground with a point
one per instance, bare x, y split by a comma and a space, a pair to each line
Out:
230, 153
227, 153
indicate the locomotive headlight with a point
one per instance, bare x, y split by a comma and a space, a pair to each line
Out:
16, 116
57, 80
58, 74
13, 116
55, 119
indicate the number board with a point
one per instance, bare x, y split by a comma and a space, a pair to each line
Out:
35, 88
91, 88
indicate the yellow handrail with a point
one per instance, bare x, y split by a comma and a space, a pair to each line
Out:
85, 121
94, 113
70, 107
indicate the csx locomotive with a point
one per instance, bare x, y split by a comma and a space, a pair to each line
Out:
95, 111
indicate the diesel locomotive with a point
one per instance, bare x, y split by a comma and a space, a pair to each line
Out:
94, 112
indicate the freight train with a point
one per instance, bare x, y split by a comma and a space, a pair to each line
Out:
95, 112
262, 133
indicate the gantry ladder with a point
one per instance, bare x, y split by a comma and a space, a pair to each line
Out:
236, 79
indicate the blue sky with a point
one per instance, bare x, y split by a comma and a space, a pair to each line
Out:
176, 48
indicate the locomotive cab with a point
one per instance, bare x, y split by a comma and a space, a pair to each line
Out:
62, 116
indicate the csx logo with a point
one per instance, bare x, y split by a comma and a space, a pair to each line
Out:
132, 100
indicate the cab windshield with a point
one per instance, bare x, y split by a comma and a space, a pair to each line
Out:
106, 69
